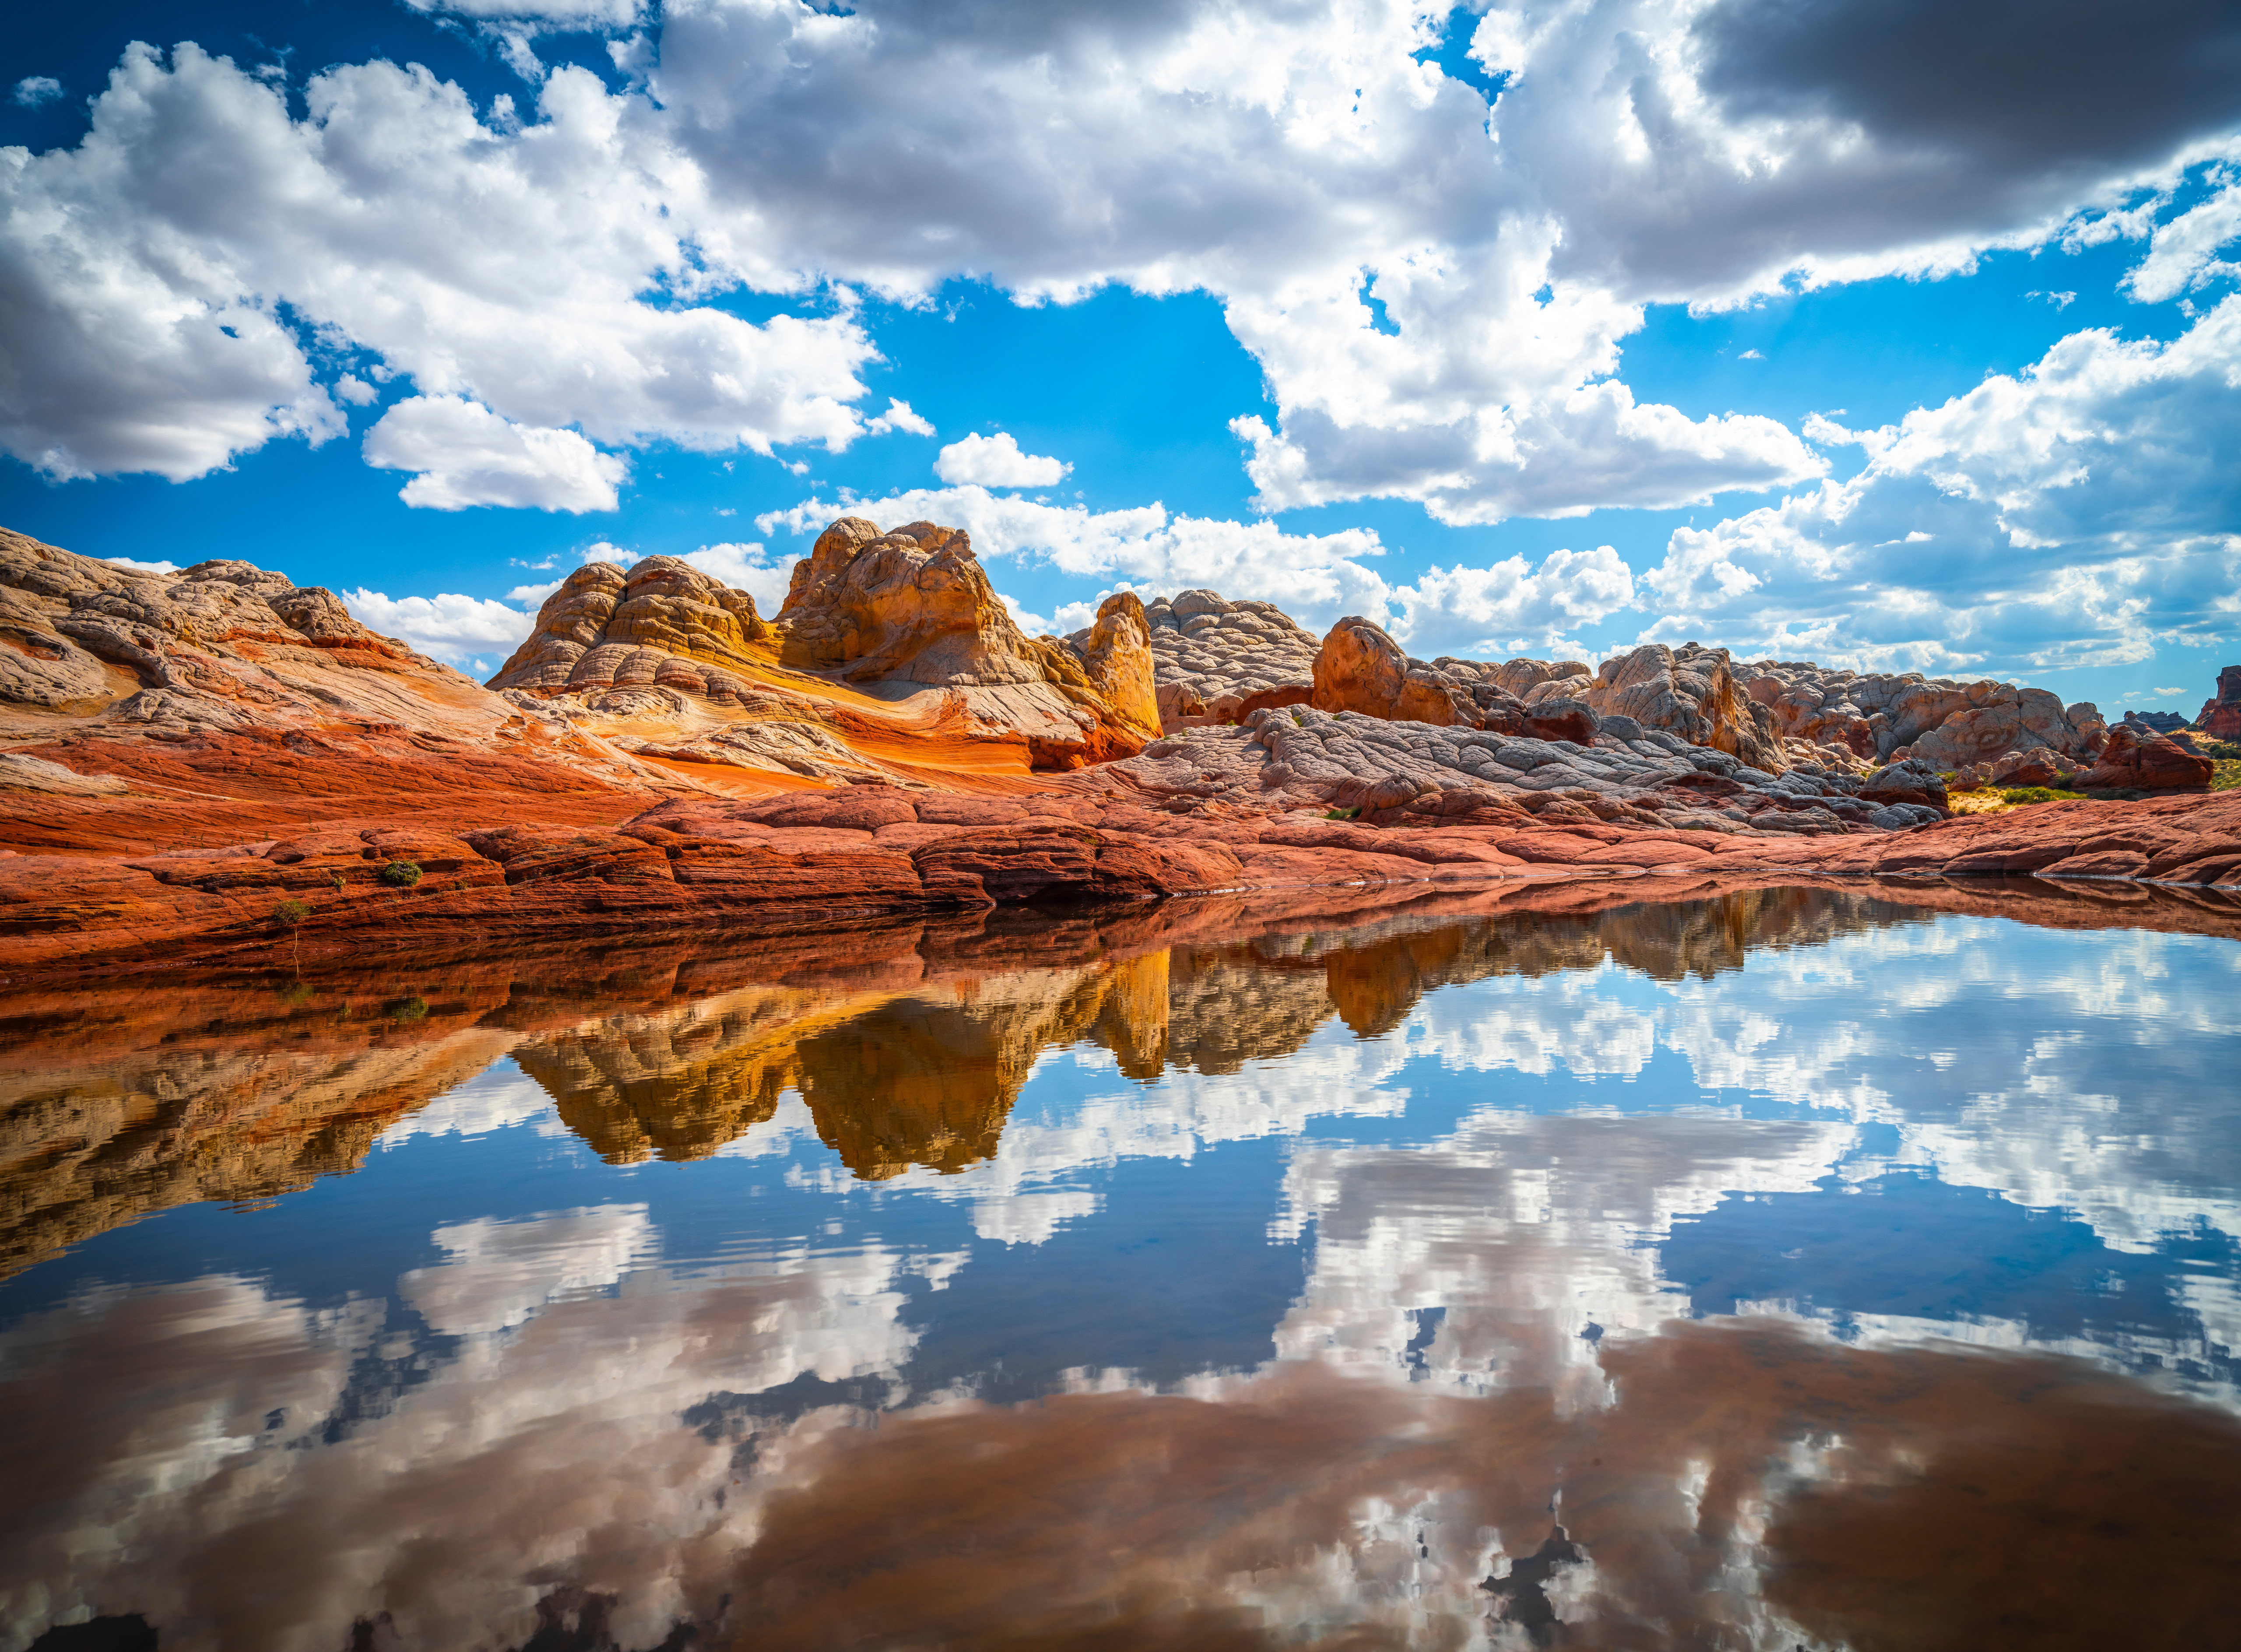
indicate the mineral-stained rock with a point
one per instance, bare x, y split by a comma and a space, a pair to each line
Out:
2221, 713
2145, 763
1692, 693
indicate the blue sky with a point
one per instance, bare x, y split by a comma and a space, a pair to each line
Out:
1712, 324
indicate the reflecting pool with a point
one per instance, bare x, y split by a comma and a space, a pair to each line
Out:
1794, 1267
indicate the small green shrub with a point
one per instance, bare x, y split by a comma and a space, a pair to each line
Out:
2039, 794
401, 874
1299, 722
1343, 814
409, 1009
2222, 751
334, 878
291, 912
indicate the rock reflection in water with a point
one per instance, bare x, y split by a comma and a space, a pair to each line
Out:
1475, 1411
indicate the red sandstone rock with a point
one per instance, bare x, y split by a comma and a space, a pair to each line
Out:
2147, 762
2221, 713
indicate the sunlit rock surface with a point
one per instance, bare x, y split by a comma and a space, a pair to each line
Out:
891, 640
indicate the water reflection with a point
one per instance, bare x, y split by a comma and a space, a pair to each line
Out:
1199, 1278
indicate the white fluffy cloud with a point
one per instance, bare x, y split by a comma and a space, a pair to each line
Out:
1436, 287
495, 258
1315, 577
33, 90
750, 568
996, 461
453, 628
465, 454
2079, 512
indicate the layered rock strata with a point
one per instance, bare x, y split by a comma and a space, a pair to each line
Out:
1361, 669
896, 636
1302, 757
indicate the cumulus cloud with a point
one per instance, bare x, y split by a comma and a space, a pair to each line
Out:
503, 260
468, 455
996, 461
1436, 287
1472, 611
750, 568
2078, 512
451, 627
33, 90
899, 416
2183, 252
1315, 577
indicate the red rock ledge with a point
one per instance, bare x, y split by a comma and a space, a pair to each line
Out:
817, 858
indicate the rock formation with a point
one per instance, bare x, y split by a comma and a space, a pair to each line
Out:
2132, 760
884, 638
191, 755
1691, 693
1884, 717
2156, 722
2221, 713
1210, 655
1361, 669
1304, 758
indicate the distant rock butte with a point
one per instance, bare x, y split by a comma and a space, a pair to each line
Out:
2221, 713
180, 753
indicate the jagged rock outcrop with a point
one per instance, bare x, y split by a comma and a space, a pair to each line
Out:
2132, 761
2156, 722
2220, 717
1692, 693
883, 637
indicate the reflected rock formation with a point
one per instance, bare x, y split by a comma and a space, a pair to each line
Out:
909, 1041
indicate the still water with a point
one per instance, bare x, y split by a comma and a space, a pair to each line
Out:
1793, 1269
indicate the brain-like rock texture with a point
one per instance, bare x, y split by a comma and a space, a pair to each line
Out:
904, 618
1691, 693
1210, 655
2221, 713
